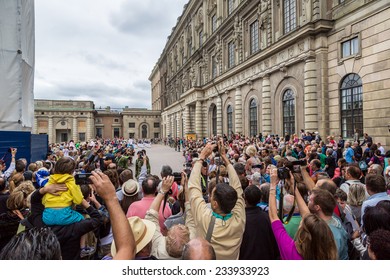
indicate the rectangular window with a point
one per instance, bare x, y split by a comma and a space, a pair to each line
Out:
156, 135
230, 6
254, 33
81, 136
290, 15
99, 132
231, 51
116, 132
156, 124
213, 23
213, 67
116, 120
131, 125
350, 47
200, 38
131, 135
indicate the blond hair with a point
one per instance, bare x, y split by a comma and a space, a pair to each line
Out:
18, 198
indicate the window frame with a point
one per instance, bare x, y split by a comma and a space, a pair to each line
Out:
351, 91
230, 7
214, 120
229, 118
289, 15
253, 122
288, 106
351, 43
231, 54
254, 37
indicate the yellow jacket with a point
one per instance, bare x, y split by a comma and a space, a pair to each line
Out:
72, 196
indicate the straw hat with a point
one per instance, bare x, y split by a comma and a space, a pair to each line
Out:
130, 187
143, 231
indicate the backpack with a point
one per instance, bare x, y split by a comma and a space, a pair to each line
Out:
363, 165
353, 254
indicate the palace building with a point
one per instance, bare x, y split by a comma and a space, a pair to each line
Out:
276, 67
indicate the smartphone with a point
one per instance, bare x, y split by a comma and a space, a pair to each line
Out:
83, 178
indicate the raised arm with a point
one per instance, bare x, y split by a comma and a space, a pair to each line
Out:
272, 211
307, 179
123, 235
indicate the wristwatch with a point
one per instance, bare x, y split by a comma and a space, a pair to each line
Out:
162, 192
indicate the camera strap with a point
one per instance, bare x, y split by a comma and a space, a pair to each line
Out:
290, 214
164, 205
280, 213
210, 229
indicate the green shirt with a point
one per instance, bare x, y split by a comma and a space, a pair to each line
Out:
292, 226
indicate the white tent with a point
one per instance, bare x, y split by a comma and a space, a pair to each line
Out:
17, 56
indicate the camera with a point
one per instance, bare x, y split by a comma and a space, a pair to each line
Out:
257, 166
83, 178
177, 177
283, 173
297, 165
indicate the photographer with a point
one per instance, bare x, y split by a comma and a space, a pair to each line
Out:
140, 161
225, 222
6, 174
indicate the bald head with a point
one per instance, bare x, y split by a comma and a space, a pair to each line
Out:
198, 249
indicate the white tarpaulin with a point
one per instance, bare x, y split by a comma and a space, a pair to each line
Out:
17, 56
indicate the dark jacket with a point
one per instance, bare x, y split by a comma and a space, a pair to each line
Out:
68, 236
258, 242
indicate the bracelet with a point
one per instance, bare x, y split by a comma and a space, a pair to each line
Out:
162, 192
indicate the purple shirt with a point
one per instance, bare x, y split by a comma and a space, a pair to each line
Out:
286, 244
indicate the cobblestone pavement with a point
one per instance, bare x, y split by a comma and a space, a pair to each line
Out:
160, 155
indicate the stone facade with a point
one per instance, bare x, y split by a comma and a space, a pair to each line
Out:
80, 121
141, 123
64, 120
108, 123
276, 66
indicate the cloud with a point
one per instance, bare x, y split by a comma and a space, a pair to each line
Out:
98, 50
147, 18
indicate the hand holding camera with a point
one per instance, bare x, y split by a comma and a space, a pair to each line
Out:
167, 184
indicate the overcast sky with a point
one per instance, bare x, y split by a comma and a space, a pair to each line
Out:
100, 50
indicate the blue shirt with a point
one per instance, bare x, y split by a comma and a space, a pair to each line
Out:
349, 155
373, 201
340, 236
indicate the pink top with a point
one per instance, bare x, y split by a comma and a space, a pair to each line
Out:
286, 244
139, 208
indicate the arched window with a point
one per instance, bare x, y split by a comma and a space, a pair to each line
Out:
144, 131
351, 101
230, 119
214, 120
288, 112
253, 117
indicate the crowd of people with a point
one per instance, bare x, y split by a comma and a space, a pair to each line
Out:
250, 198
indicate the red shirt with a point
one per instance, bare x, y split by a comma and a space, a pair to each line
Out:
139, 208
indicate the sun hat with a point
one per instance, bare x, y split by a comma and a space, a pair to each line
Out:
130, 187
143, 231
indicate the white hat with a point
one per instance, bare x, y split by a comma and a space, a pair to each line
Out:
143, 231
130, 187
